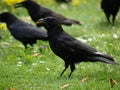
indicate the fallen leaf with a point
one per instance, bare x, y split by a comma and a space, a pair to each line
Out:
112, 82
84, 79
36, 54
26, 19
64, 86
12, 88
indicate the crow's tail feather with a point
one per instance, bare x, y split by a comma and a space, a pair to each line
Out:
70, 22
103, 58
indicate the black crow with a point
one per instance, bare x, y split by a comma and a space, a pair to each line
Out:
110, 8
22, 31
69, 49
37, 12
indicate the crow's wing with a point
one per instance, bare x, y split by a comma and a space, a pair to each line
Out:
68, 44
44, 12
58, 16
26, 31
47, 12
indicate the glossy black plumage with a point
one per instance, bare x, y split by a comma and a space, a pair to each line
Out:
70, 49
37, 12
110, 8
22, 31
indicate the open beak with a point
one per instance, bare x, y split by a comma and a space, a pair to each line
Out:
17, 5
40, 22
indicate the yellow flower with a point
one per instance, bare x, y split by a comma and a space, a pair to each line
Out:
11, 2
3, 26
75, 2
84, 1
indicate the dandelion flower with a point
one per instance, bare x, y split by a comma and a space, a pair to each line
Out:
3, 26
75, 2
84, 1
11, 2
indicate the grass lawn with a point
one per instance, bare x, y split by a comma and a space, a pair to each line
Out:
39, 68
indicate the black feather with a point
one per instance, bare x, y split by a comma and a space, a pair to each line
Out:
23, 31
37, 12
70, 49
110, 8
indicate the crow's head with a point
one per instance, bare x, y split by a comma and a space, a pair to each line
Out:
48, 22
26, 4
5, 16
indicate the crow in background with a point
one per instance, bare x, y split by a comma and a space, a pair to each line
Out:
37, 12
110, 8
23, 31
69, 49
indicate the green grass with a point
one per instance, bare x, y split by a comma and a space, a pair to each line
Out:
21, 70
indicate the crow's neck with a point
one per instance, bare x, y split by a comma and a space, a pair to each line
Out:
34, 15
33, 12
55, 29
10, 20
54, 32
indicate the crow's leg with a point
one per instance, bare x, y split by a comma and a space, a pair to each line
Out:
113, 19
31, 44
66, 66
107, 16
72, 67
25, 45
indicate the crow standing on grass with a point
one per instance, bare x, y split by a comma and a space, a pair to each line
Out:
37, 12
69, 49
22, 31
110, 8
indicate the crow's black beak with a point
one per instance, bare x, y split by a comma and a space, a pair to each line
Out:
40, 22
17, 5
